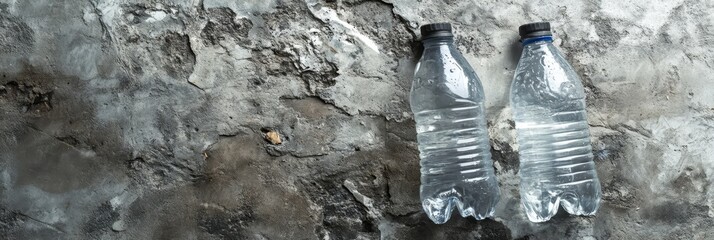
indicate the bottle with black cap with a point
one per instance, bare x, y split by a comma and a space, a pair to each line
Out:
548, 102
447, 100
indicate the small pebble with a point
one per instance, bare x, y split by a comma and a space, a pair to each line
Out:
273, 137
119, 226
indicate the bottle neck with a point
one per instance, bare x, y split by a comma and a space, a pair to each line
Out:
438, 41
533, 40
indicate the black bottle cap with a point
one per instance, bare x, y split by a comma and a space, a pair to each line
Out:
436, 30
536, 29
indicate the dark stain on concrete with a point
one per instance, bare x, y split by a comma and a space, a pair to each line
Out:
675, 212
163, 214
180, 56
242, 194
52, 104
223, 25
421, 227
402, 172
226, 224
42, 160
405, 130
100, 220
45, 154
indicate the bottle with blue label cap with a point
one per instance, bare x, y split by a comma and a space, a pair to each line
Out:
548, 101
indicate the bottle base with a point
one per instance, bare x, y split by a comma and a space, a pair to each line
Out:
541, 206
439, 210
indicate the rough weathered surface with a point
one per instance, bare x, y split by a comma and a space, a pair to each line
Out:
289, 119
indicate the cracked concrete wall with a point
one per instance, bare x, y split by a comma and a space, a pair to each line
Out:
128, 119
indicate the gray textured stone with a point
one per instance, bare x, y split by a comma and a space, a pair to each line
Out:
128, 119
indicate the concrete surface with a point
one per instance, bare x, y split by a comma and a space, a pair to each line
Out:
124, 119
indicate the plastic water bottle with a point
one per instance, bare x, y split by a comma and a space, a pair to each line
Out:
448, 104
556, 161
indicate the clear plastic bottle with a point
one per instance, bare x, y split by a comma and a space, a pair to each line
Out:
448, 104
556, 161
